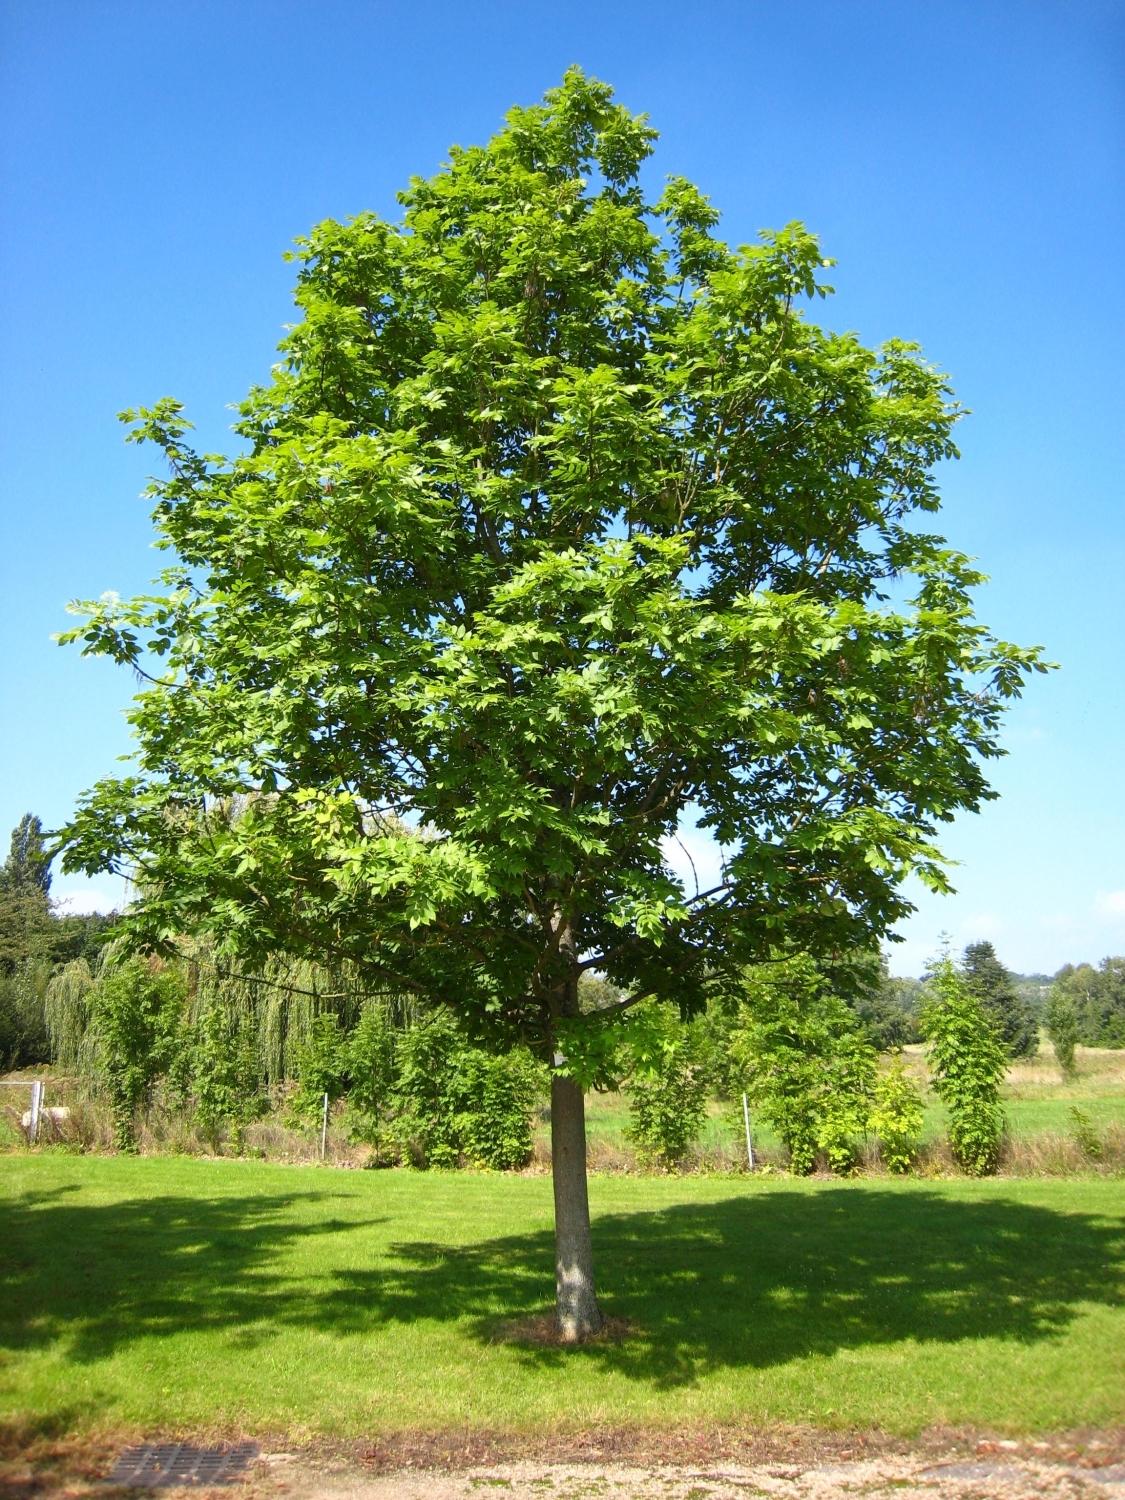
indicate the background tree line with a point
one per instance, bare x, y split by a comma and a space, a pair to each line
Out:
800, 1037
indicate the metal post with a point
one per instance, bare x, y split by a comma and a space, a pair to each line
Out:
324, 1130
746, 1120
36, 1102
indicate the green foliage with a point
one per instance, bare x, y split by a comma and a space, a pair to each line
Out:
992, 984
427, 1127
225, 1075
497, 1096
457, 1103
136, 1016
968, 1061
667, 1094
25, 910
1098, 998
322, 1065
67, 1014
1086, 1134
896, 1118
23, 1025
556, 519
1062, 1027
804, 1062
862, 979
33, 940
28, 866
372, 1068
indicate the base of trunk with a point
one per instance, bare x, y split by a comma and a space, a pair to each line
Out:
577, 1314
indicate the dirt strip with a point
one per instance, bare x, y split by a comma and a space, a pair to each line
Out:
714, 1464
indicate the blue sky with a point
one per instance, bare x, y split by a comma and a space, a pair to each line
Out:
958, 160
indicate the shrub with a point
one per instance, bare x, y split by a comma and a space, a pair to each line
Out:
426, 1128
456, 1102
1086, 1135
805, 1063
372, 1071
321, 1068
136, 1016
1062, 1028
668, 1094
896, 1118
23, 1025
498, 1098
225, 1076
968, 1061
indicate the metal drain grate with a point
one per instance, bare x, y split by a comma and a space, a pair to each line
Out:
154, 1465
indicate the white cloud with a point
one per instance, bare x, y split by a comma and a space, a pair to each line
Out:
81, 899
1110, 903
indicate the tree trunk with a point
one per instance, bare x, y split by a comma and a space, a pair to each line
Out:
577, 1313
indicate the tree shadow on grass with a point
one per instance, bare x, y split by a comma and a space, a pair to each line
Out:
763, 1279
750, 1281
94, 1277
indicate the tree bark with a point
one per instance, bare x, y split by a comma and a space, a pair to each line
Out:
577, 1314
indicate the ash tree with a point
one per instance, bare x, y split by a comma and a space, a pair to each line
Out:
556, 524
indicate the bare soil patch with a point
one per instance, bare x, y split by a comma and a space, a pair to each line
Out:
606, 1464
541, 1331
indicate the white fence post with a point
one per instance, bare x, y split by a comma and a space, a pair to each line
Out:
36, 1104
746, 1120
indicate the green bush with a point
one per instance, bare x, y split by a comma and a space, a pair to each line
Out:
225, 1075
498, 1095
458, 1103
896, 1118
668, 1093
136, 1015
426, 1127
321, 1065
23, 1015
1086, 1134
1062, 1028
805, 1062
968, 1061
372, 1069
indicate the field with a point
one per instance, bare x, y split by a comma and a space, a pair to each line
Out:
1036, 1101
175, 1294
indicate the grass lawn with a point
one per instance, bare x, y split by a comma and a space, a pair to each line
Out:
168, 1293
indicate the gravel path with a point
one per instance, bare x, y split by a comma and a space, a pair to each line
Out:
797, 1464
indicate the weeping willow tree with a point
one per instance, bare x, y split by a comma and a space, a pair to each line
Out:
275, 1004
67, 1004
279, 1000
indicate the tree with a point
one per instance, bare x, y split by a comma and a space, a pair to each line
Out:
1062, 1028
992, 984
897, 1116
556, 523
667, 1089
968, 1061
864, 982
1098, 998
806, 1062
28, 866
25, 909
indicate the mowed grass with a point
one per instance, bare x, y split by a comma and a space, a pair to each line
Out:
167, 1294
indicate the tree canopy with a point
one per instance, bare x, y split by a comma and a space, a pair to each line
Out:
993, 984
557, 523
